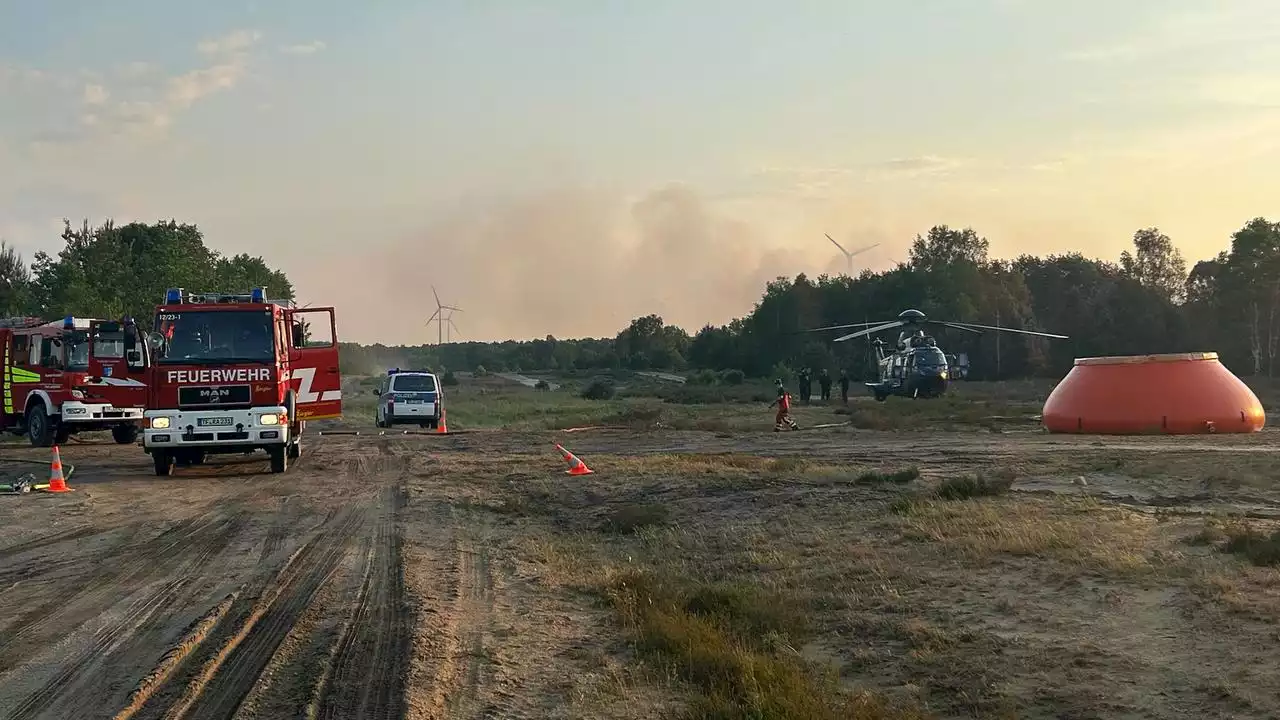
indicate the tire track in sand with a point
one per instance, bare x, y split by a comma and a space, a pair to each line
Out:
224, 681
72, 687
371, 660
155, 558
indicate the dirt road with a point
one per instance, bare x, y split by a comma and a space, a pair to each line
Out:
351, 587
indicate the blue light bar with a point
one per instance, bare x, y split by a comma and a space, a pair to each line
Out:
258, 295
393, 371
173, 296
69, 323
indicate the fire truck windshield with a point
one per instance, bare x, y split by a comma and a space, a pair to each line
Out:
216, 336
77, 342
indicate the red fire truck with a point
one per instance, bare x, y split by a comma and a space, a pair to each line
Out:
237, 373
71, 376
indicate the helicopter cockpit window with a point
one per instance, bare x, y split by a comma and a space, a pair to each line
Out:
930, 358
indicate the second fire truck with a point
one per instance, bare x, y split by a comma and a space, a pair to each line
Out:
72, 375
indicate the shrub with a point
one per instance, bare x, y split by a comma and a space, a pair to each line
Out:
448, 378
599, 389
733, 377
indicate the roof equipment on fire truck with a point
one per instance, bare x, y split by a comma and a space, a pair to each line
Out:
17, 323
257, 295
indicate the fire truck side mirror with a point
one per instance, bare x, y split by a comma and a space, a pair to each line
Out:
155, 341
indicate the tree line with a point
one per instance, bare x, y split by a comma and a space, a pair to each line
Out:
111, 271
1145, 301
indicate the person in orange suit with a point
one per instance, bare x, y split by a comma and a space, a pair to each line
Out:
784, 410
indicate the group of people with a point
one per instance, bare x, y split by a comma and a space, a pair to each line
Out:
805, 377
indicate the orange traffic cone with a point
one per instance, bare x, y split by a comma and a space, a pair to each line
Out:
576, 466
442, 427
57, 483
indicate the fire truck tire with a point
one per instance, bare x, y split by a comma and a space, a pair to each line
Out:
164, 462
39, 429
279, 458
295, 449
125, 434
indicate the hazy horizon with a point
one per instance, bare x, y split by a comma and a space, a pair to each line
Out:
564, 171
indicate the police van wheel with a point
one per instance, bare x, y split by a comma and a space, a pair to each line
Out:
279, 458
164, 463
39, 429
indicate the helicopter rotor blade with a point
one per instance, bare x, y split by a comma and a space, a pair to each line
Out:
870, 330
842, 327
1006, 329
957, 326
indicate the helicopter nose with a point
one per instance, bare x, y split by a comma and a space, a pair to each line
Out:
936, 382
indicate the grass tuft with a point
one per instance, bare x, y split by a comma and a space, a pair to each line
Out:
895, 477
968, 487
1259, 548
735, 646
632, 517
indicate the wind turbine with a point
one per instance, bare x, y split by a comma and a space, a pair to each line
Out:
439, 317
451, 328
849, 255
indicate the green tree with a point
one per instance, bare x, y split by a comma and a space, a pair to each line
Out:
1156, 264
15, 281
110, 271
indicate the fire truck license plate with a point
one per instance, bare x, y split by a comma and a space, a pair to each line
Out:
213, 421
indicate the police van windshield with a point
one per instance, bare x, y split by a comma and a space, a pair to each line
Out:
216, 336
413, 383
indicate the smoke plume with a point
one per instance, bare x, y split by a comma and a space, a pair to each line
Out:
574, 263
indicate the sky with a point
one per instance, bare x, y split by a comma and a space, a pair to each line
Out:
563, 167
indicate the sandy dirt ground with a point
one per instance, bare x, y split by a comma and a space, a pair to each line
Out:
364, 583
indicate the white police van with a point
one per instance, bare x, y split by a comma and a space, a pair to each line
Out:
409, 396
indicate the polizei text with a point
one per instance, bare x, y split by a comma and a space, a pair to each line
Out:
220, 375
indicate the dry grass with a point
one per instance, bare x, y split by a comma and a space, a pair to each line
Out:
1081, 533
736, 645
867, 579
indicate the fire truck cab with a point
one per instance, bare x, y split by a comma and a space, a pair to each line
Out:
235, 374
72, 375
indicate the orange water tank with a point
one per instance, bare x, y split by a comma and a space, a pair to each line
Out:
1137, 394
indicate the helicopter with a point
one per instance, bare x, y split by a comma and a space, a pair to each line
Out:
918, 367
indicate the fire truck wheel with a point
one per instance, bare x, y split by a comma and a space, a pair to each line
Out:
164, 463
279, 458
295, 449
39, 429
125, 434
